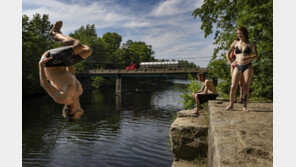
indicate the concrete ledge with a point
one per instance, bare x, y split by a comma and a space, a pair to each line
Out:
240, 139
188, 135
185, 163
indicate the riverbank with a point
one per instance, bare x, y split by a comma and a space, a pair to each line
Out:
233, 138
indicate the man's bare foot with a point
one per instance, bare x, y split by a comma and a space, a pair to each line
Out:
229, 107
56, 28
245, 109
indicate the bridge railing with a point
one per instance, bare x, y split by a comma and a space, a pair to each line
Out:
141, 70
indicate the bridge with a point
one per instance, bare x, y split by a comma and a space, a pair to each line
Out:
140, 72
124, 81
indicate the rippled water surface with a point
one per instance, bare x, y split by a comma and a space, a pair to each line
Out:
128, 130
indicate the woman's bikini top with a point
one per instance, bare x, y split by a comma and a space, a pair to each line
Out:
246, 51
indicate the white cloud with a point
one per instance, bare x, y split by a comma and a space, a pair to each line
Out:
200, 55
75, 15
173, 7
134, 24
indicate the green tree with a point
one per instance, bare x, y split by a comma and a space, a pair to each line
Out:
85, 34
88, 36
193, 86
186, 64
112, 40
35, 41
226, 16
141, 52
127, 44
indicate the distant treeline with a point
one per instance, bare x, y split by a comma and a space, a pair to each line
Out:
108, 51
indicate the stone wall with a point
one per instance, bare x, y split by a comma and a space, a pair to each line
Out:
224, 137
188, 135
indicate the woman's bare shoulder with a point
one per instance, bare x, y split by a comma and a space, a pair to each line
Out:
234, 43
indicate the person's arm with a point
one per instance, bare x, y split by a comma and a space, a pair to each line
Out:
254, 51
229, 57
198, 91
205, 90
71, 69
230, 51
58, 96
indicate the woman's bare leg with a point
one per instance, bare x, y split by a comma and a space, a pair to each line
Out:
83, 50
248, 74
234, 83
231, 72
241, 83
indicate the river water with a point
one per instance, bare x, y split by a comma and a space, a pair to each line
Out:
130, 130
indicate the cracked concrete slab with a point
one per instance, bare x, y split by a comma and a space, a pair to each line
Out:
239, 138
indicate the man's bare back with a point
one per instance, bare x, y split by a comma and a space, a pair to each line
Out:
62, 79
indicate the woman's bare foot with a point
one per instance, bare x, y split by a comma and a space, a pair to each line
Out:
241, 100
245, 109
229, 107
56, 28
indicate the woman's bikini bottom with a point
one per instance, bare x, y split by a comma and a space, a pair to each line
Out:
243, 68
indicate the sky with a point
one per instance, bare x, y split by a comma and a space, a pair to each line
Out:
167, 25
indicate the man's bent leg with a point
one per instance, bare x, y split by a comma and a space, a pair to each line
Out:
197, 102
73, 43
86, 51
69, 41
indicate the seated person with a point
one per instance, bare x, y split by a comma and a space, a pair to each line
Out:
208, 92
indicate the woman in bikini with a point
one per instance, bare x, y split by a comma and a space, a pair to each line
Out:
241, 80
245, 52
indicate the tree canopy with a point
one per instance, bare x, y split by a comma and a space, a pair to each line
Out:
222, 18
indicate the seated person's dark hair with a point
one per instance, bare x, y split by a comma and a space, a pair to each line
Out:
202, 74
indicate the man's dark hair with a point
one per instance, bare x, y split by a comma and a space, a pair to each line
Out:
66, 113
202, 74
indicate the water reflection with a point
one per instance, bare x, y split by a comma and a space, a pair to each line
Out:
118, 101
124, 130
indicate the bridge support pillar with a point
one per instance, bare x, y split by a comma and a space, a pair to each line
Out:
126, 84
118, 88
118, 101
